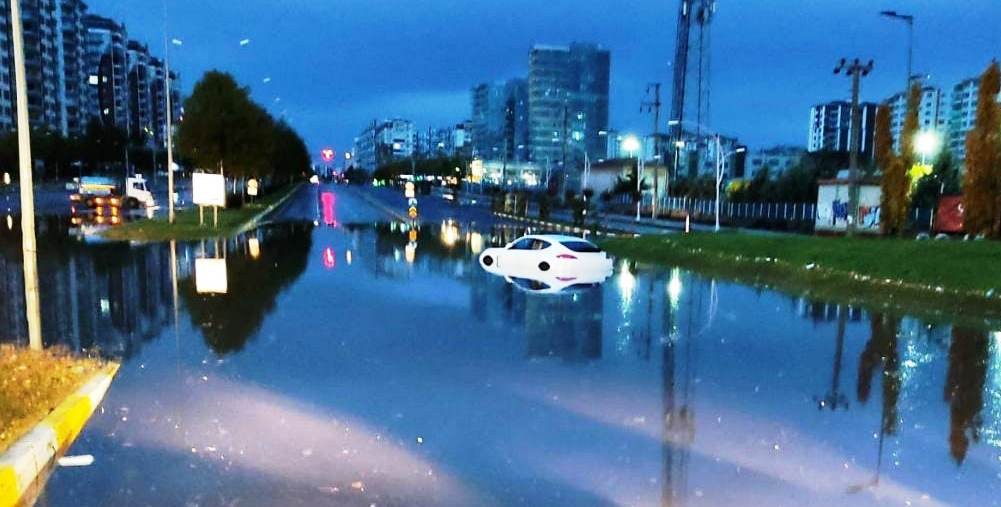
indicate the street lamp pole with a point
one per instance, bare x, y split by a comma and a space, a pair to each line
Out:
721, 159
29, 247
909, 19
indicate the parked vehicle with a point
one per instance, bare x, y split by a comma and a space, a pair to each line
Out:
98, 193
566, 257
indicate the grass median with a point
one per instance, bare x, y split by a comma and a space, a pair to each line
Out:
921, 277
33, 383
186, 225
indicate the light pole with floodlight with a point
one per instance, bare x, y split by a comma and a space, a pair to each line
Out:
721, 159
632, 145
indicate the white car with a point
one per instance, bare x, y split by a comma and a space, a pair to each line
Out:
546, 254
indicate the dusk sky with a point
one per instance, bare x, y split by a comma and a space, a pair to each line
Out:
337, 65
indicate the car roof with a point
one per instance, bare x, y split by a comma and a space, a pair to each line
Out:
555, 237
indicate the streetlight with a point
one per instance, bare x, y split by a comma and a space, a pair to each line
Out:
168, 91
909, 19
721, 159
927, 144
632, 145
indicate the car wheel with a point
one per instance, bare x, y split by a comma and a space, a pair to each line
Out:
488, 261
544, 266
132, 203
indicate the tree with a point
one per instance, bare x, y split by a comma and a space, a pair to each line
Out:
944, 180
219, 125
981, 187
893, 182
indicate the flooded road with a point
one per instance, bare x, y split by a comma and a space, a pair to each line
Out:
338, 358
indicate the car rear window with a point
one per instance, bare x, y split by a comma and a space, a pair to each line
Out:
581, 246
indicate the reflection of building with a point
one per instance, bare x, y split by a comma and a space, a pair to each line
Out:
567, 325
110, 298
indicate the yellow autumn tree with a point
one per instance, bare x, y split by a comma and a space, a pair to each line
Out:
982, 183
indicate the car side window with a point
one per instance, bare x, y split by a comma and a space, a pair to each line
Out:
538, 244
525, 244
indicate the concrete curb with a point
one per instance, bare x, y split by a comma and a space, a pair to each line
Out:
26, 460
256, 219
562, 227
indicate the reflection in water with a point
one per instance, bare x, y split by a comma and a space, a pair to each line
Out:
964, 388
665, 366
227, 321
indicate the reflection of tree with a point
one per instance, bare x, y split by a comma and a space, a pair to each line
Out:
882, 349
964, 388
228, 321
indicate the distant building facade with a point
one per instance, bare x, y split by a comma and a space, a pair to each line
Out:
79, 68
830, 128
568, 90
932, 113
778, 160
500, 124
383, 142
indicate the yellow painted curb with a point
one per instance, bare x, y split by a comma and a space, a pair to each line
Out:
25, 461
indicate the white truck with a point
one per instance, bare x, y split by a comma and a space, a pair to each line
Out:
97, 192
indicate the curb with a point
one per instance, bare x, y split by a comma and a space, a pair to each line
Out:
563, 227
26, 460
256, 219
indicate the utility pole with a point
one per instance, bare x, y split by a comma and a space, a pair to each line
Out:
29, 247
654, 107
855, 70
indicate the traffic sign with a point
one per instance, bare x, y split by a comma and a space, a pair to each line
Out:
413, 212
410, 191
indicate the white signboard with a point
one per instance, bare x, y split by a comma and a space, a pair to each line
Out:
252, 186
208, 189
211, 277
409, 192
832, 207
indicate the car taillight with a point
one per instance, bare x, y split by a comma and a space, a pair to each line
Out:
566, 256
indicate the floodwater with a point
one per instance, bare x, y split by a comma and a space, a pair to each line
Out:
345, 360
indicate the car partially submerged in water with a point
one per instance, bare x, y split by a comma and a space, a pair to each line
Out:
549, 256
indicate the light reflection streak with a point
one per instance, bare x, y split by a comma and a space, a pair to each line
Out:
252, 429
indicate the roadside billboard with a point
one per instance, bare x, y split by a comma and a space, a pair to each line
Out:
208, 189
833, 212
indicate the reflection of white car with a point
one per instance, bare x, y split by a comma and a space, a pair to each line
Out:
559, 284
547, 254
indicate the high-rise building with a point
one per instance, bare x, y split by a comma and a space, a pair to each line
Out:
567, 104
500, 120
140, 125
383, 142
831, 128
932, 113
71, 48
158, 98
963, 115
107, 66
43, 68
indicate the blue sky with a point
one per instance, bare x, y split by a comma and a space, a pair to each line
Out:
335, 65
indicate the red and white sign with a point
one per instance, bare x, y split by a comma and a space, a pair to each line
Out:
328, 155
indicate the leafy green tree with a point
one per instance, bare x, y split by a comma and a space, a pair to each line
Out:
982, 186
219, 126
944, 180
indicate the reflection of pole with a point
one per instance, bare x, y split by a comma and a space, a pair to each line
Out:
28, 245
835, 399
173, 278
